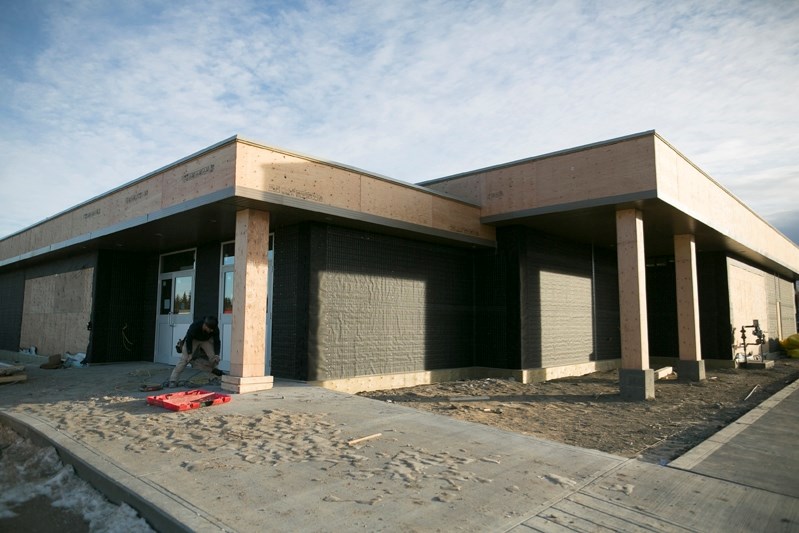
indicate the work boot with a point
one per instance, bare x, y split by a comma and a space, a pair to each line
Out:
217, 372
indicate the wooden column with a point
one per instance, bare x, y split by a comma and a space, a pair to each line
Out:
636, 379
691, 366
248, 335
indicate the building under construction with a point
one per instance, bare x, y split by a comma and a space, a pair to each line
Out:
621, 254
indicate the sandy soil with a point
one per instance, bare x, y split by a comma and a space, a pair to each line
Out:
588, 412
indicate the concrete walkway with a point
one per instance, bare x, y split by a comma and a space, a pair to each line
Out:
290, 459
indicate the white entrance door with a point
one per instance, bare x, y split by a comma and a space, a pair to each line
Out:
226, 303
175, 304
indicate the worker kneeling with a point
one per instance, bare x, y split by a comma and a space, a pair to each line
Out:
201, 349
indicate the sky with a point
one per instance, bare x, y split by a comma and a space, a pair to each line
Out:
94, 94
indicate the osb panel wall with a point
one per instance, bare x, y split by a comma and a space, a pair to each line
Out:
684, 186
781, 309
290, 175
93, 216
395, 201
748, 301
293, 176
55, 312
207, 173
468, 188
54, 230
15, 245
593, 173
202, 175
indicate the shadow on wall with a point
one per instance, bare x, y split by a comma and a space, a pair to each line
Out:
383, 305
569, 303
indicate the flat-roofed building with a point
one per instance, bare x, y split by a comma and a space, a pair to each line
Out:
618, 254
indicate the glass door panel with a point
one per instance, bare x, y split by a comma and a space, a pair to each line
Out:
175, 304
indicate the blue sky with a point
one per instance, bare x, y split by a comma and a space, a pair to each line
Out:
94, 94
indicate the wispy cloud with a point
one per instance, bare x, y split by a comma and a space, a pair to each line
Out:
413, 90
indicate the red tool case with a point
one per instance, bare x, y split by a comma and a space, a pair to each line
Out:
183, 401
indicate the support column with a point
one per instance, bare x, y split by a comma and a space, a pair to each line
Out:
691, 367
248, 334
636, 379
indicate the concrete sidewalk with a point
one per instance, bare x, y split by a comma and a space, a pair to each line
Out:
290, 459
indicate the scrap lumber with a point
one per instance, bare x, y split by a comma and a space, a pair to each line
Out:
661, 373
353, 442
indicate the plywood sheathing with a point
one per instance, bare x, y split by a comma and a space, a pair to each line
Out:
55, 230
687, 298
748, 301
687, 188
207, 173
15, 245
290, 175
605, 171
632, 290
55, 312
248, 334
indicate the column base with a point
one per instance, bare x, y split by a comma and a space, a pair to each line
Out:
243, 385
691, 370
637, 385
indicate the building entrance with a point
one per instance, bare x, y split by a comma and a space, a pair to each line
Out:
175, 303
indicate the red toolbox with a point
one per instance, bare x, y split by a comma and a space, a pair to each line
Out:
192, 399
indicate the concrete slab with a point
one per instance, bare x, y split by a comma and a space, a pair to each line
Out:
281, 459
758, 451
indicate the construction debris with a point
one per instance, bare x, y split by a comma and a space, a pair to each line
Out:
12, 373
353, 442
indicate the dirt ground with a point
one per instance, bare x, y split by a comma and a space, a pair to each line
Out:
588, 412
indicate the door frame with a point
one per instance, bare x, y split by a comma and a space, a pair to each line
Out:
171, 326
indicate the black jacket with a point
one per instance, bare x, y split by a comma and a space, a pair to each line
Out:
197, 333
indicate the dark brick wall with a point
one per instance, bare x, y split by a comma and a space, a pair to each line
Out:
661, 305
12, 293
714, 306
382, 304
562, 300
290, 288
123, 314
